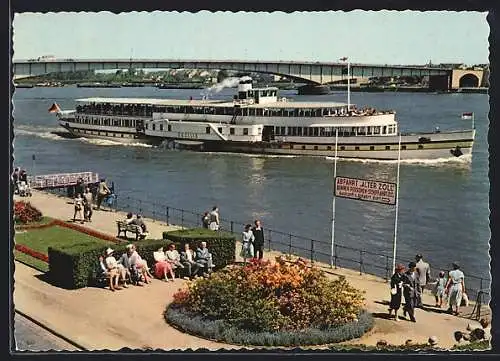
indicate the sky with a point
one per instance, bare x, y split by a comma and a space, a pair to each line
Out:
373, 37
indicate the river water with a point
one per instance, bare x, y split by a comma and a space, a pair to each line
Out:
443, 204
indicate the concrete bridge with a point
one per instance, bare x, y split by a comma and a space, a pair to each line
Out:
314, 73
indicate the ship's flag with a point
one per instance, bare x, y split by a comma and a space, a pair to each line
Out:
467, 116
54, 108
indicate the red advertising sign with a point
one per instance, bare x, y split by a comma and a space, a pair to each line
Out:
366, 190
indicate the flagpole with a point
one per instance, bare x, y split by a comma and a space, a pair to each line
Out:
333, 202
348, 84
397, 208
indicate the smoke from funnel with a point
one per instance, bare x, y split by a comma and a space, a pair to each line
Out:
226, 83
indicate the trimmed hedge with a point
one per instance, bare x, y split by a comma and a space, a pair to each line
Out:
221, 244
76, 266
219, 330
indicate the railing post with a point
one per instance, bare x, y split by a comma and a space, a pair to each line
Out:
269, 241
140, 206
360, 261
232, 227
182, 218
154, 211
386, 268
312, 251
335, 257
167, 214
290, 245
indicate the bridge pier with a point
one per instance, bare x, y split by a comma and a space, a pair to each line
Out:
313, 89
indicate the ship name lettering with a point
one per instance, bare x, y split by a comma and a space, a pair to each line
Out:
189, 135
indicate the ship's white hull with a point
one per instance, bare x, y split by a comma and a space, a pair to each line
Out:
383, 148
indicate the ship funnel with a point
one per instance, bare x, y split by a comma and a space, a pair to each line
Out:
244, 84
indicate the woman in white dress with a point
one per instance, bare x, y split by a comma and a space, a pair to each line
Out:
455, 288
247, 240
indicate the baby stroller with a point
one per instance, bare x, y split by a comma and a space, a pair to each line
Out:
24, 189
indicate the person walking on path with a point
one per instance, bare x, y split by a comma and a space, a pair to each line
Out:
423, 277
258, 244
397, 281
455, 288
214, 219
410, 291
205, 220
78, 208
102, 192
87, 205
247, 240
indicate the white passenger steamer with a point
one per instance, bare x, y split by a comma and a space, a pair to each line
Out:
258, 121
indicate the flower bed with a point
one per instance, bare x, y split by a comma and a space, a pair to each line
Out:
271, 304
25, 213
32, 253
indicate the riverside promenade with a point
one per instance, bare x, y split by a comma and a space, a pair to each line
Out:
97, 319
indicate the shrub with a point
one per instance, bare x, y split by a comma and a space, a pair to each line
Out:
473, 346
76, 266
220, 330
25, 213
221, 244
276, 302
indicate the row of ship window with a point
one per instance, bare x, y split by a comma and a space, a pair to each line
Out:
330, 131
125, 122
342, 147
148, 110
280, 131
303, 147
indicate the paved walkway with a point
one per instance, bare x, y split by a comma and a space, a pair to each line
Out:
98, 319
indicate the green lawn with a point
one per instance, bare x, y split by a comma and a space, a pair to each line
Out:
34, 262
44, 220
39, 239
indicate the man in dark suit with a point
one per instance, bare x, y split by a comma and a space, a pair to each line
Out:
410, 291
258, 244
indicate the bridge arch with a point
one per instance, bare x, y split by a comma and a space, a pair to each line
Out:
468, 80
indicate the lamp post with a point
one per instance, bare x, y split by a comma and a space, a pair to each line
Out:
346, 59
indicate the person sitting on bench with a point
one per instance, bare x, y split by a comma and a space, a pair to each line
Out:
204, 258
112, 275
113, 266
188, 261
138, 221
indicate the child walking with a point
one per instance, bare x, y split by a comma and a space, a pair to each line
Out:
439, 289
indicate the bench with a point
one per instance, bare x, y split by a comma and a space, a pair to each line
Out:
123, 227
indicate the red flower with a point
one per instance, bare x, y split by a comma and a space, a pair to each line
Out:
32, 253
